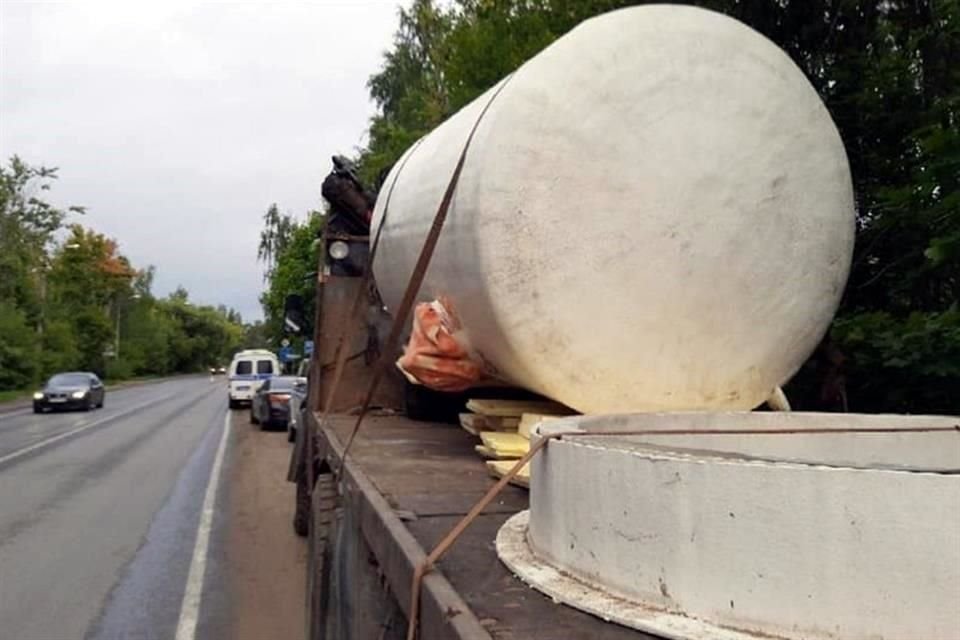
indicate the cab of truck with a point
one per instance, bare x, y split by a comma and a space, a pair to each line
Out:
247, 372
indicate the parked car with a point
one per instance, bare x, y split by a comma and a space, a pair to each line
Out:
298, 408
270, 405
247, 371
73, 390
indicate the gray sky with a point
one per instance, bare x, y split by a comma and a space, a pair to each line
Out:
177, 124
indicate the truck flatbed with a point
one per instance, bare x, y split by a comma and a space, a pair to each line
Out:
406, 485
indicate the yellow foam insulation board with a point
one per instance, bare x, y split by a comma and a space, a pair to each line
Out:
529, 420
516, 408
492, 454
505, 445
500, 468
474, 422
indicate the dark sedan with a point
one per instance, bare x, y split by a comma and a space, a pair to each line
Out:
77, 390
271, 403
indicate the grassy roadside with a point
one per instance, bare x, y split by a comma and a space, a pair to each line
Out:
11, 396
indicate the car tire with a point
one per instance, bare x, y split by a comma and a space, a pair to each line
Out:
100, 405
37, 409
253, 417
291, 434
89, 405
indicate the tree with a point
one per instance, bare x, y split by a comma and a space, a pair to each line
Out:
64, 304
27, 226
274, 237
294, 273
17, 364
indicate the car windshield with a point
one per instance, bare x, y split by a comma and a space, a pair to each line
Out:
244, 367
282, 384
70, 379
264, 366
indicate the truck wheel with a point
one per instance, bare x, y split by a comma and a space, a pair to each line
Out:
323, 511
301, 514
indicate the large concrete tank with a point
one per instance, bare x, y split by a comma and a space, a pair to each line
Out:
656, 213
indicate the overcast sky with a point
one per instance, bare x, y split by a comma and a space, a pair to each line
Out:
177, 124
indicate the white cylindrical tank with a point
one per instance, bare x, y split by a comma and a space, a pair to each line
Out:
656, 213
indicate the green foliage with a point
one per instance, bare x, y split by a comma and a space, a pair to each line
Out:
17, 366
903, 364
293, 273
67, 306
27, 225
274, 237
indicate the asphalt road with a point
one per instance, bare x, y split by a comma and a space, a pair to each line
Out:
116, 523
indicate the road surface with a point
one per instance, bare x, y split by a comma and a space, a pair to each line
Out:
161, 515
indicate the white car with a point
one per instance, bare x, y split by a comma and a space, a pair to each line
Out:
247, 372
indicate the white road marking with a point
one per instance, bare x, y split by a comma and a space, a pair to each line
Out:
81, 426
190, 607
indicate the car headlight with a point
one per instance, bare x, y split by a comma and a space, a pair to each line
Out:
38, 395
339, 249
77, 395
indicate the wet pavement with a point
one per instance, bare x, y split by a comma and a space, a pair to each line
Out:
99, 517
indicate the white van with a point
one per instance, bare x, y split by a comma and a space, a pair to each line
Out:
247, 372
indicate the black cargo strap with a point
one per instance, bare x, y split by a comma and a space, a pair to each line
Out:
416, 278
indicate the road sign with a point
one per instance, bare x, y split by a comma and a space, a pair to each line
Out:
308, 347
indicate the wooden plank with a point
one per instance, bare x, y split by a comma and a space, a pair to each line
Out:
513, 610
443, 613
409, 461
516, 408
430, 503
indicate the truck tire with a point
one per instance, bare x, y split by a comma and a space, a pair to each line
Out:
323, 507
301, 514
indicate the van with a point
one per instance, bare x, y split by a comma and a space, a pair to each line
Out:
247, 372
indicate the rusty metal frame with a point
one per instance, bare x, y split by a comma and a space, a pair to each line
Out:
443, 613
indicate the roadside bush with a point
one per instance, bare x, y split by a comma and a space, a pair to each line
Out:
17, 347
